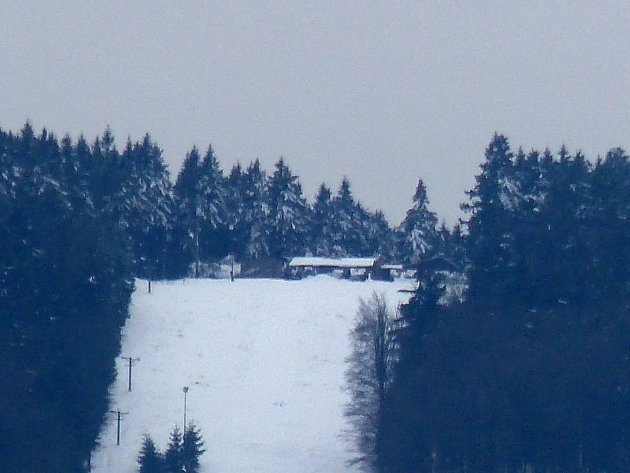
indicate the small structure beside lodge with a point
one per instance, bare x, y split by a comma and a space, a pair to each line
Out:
395, 270
263, 267
358, 269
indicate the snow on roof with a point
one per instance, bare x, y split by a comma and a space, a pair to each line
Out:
395, 267
301, 262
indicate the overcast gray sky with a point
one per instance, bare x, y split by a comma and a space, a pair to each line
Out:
381, 92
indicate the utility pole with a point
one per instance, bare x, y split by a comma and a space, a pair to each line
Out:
118, 419
130, 362
185, 393
150, 277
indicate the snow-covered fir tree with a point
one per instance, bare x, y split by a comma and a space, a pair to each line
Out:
201, 203
348, 238
379, 237
323, 222
288, 221
255, 193
237, 225
417, 232
144, 205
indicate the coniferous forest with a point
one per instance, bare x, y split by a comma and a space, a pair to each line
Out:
529, 371
512, 355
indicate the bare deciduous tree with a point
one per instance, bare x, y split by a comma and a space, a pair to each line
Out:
368, 376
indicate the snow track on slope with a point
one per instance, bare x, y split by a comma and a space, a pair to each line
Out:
264, 362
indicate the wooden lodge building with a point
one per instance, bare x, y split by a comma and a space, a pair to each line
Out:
358, 269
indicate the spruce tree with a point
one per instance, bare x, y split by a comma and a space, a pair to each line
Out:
192, 449
150, 459
236, 222
322, 222
288, 221
490, 225
144, 206
418, 231
188, 222
202, 211
347, 235
379, 236
256, 208
173, 456
214, 236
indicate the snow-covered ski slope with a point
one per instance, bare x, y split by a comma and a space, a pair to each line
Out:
264, 363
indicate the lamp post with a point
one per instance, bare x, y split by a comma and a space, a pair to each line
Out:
185, 393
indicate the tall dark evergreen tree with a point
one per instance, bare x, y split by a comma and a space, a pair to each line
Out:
256, 210
379, 236
237, 224
214, 230
323, 222
173, 456
418, 231
288, 220
490, 225
202, 212
192, 449
144, 205
150, 459
348, 236
188, 223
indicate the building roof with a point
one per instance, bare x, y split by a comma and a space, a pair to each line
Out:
394, 267
311, 262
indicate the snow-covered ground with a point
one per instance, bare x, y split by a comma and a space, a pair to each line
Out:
264, 363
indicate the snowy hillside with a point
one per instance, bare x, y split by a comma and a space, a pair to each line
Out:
264, 361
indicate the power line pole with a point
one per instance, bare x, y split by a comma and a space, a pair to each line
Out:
130, 362
118, 419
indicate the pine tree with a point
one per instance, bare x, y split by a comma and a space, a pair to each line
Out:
214, 237
150, 459
144, 206
491, 243
188, 224
236, 222
256, 210
173, 456
288, 221
202, 212
322, 222
105, 173
348, 236
192, 449
379, 237
418, 231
